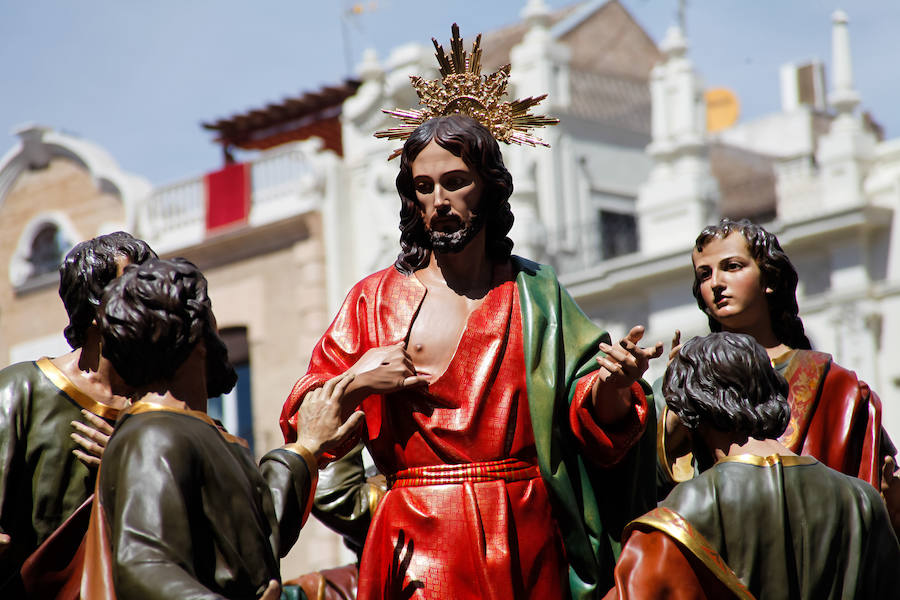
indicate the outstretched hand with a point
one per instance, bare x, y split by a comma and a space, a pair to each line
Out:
625, 362
320, 424
92, 438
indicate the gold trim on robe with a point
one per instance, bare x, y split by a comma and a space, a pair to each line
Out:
143, 406
769, 461
675, 526
82, 399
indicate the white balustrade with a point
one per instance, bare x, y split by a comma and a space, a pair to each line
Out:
174, 215
285, 181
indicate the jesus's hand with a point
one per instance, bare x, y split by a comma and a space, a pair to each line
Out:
624, 363
386, 369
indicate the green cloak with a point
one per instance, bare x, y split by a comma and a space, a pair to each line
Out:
592, 504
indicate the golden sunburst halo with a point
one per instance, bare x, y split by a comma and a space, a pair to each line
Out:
463, 90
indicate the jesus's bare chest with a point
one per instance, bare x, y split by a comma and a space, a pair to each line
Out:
437, 329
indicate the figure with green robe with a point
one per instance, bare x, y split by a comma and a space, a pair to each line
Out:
47, 470
759, 521
182, 509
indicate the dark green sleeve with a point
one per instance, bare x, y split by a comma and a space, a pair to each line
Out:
147, 491
290, 483
342, 499
881, 553
13, 390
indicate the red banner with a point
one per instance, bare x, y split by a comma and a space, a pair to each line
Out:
227, 196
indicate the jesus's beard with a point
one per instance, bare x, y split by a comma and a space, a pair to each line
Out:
451, 242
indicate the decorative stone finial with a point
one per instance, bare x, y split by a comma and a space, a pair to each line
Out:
369, 68
535, 13
674, 44
842, 96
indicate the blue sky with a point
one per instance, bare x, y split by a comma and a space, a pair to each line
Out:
138, 78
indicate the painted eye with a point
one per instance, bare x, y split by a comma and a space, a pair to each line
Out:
424, 187
454, 183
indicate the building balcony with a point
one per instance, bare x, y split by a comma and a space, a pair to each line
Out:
278, 184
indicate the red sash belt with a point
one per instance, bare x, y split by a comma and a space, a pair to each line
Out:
507, 469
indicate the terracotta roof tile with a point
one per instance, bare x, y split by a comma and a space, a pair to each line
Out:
614, 99
746, 182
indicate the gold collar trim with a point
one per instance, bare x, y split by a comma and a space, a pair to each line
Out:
81, 398
675, 526
769, 461
143, 406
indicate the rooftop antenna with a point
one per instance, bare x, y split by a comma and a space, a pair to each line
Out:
351, 13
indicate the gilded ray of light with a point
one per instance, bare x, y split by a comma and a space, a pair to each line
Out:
463, 90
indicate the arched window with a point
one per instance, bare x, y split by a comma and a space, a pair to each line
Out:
40, 250
47, 249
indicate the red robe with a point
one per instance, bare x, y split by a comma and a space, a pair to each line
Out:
835, 417
488, 538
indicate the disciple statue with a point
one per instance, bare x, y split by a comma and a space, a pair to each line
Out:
759, 521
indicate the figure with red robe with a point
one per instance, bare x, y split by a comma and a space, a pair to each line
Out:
745, 283
759, 521
506, 423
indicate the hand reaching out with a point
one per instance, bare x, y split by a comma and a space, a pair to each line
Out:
624, 363
92, 437
320, 425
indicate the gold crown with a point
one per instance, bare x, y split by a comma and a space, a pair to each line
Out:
463, 90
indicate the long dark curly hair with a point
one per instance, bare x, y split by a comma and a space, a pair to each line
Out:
726, 381
152, 317
473, 143
778, 274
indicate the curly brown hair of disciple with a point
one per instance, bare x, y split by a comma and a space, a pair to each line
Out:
473, 143
726, 381
153, 316
778, 273
85, 272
